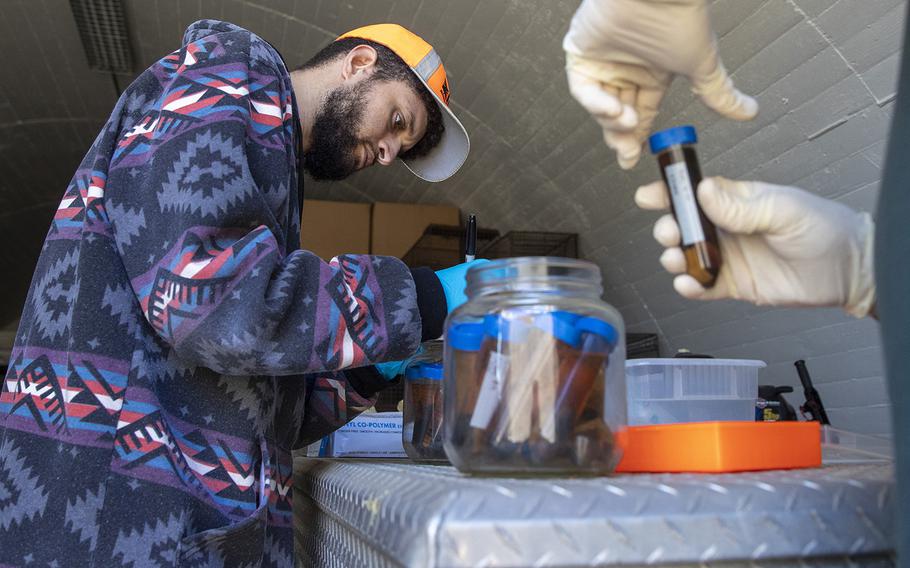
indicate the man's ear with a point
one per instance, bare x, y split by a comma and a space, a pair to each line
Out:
361, 59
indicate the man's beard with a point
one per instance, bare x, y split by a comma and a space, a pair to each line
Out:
332, 152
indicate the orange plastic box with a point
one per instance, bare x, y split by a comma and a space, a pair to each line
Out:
719, 447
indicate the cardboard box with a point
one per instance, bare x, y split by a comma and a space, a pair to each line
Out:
330, 228
397, 226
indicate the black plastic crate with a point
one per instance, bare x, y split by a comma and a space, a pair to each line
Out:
442, 246
642, 346
531, 243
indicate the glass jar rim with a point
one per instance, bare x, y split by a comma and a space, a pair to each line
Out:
535, 274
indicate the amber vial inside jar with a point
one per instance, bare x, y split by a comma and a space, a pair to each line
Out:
423, 413
675, 151
465, 341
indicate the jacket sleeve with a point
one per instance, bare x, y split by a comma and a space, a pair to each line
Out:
333, 400
197, 197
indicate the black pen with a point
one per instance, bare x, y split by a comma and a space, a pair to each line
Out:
470, 249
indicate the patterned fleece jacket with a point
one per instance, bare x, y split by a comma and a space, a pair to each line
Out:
174, 346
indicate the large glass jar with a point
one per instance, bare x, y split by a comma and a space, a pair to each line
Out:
534, 370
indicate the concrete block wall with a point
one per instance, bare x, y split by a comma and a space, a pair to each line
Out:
824, 72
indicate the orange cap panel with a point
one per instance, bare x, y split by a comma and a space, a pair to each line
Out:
407, 45
440, 84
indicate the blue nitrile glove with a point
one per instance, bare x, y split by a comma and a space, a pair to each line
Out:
391, 369
453, 282
453, 286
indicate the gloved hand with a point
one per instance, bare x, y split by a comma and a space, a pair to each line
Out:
453, 286
391, 369
621, 56
780, 246
453, 282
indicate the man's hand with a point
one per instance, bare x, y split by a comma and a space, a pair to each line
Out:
391, 369
453, 280
780, 246
621, 56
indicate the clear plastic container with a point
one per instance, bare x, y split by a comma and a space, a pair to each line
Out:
534, 370
667, 391
841, 446
421, 432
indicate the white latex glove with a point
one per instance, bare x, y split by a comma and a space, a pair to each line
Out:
780, 246
621, 56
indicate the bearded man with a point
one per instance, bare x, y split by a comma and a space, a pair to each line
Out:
176, 345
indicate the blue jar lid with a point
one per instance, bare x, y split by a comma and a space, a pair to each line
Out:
568, 317
431, 371
497, 326
492, 325
660, 141
562, 325
599, 327
465, 336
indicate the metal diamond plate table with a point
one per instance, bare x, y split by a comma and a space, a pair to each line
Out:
364, 514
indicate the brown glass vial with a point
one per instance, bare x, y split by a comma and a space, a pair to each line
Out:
421, 431
675, 151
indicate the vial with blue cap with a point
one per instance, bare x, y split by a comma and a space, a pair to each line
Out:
421, 432
675, 151
463, 342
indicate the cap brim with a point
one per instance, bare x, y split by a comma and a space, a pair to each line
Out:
443, 161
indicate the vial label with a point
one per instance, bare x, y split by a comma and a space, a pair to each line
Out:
407, 431
683, 195
490, 390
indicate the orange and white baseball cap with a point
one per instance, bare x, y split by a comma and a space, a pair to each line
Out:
448, 156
